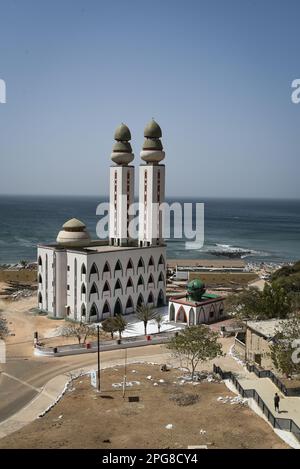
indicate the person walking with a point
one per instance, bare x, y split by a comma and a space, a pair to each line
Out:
276, 402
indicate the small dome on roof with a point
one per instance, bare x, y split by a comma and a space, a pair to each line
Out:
152, 144
122, 133
152, 130
74, 223
196, 288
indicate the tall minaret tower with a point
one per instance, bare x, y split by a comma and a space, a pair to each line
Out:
121, 188
151, 187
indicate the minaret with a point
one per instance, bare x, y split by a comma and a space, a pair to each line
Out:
151, 187
121, 188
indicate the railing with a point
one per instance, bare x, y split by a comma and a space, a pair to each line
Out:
268, 374
279, 423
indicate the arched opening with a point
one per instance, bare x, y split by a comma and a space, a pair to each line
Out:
118, 286
118, 307
129, 265
212, 313
83, 289
161, 260
106, 269
140, 300
40, 298
160, 299
150, 279
94, 289
150, 298
129, 283
181, 316
40, 261
83, 269
118, 267
191, 317
40, 279
141, 264
83, 311
93, 310
140, 281
106, 310
106, 287
172, 312
129, 305
221, 309
94, 270
161, 278
151, 262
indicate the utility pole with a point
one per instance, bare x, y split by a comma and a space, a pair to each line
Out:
125, 370
98, 353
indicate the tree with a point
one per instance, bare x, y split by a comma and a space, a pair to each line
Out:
79, 330
251, 303
109, 325
120, 324
193, 345
3, 326
145, 314
284, 353
23, 263
159, 319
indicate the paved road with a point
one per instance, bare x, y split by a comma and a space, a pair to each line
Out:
22, 378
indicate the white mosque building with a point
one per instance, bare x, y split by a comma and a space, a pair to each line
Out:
88, 280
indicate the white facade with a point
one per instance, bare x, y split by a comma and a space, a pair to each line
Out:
193, 313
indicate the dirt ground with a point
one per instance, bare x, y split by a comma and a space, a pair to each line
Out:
86, 419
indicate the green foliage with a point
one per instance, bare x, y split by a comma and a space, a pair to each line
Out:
283, 353
195, 344
120, 324
109, 325
288, 278
145, 314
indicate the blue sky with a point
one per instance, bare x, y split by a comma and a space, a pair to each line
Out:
215, 74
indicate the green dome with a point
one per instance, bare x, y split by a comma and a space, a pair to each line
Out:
122, 133
122, 147
196, 289
152, 144
152, 130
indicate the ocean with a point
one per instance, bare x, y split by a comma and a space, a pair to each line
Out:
255, 230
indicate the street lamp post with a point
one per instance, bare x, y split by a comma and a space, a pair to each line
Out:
98, 353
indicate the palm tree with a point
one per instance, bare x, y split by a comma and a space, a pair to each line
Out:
145, 314
159, 319
120, 324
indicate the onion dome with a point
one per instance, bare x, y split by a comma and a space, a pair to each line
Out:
196, 289
73, 234
152, 151
122, 151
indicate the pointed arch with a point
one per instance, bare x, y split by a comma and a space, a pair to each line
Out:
40, 262
106, 269
212, 313
141, 264
83, 289
94, 289
106, 309
191, 317
150, 279
221, 309
140, 300
160, 299
83, 310
130, 266
129, 284
94, 310
140, 281
106, 288
118, 267
40, 279
181, 315
83, 269
161, 260
118, 307
150, 298
129, 306
151, 262
94, 270
40, 298
161, 278
118, 286
172, 312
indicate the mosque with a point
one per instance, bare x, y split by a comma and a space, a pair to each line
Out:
89, 280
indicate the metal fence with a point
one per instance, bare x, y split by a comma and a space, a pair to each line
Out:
269, 374
276, 422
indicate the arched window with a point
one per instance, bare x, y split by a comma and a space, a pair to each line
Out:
212, 312
83, 289
151, 262
40, 298
161, 260
94, 289
106, 287
160, 299
150, 298
118, 307
118, 286
141, 263
94, 270
140, 300
161, 278
40, 278
129, 265
118, 267
129, 283
129, 303
172, 312
181, 316
94, 310
141, 281
106, 268
191, 317
106, 309
83, 310
40, 261
83, 269
150, 279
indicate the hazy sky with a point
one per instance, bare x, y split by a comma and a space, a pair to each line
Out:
215, 74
